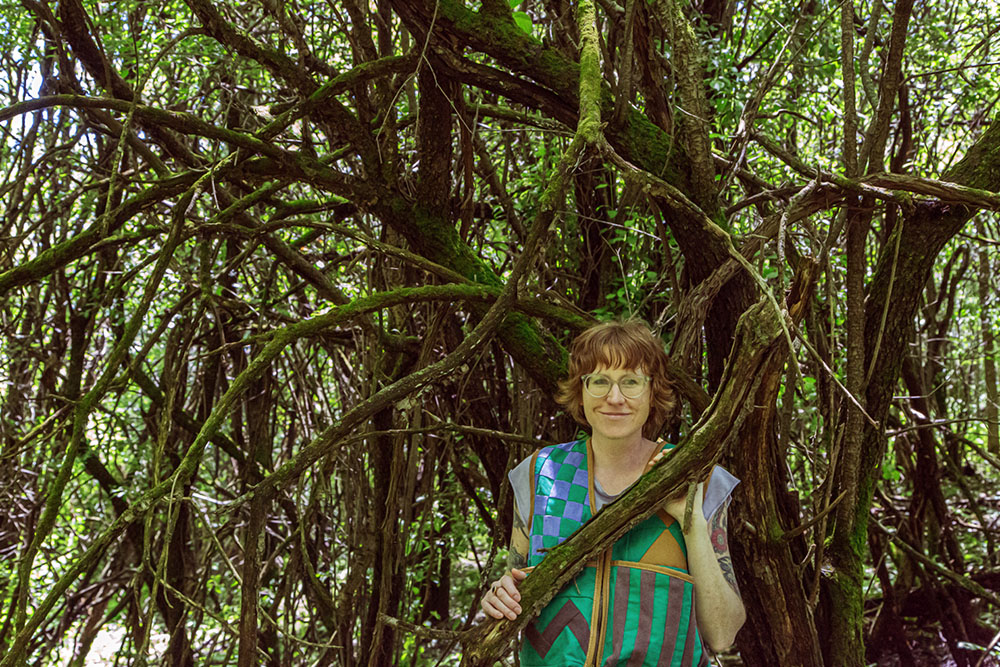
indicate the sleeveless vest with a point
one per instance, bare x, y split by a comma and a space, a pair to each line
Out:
633, 605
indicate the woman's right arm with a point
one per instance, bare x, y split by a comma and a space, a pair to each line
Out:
501, 600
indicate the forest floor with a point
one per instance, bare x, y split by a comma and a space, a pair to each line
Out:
929, 649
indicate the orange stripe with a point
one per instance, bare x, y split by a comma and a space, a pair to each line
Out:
531, 516
590, 479
653, 568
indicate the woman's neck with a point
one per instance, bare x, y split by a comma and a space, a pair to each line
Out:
618, 463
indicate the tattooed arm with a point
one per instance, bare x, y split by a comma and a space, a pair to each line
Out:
517, 553
503, 598
718, 606
720, 544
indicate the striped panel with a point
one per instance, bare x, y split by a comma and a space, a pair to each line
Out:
619, 612
647, 593
637, 614
675, 621
694, 650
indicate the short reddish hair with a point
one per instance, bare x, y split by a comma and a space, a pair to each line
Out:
629, 344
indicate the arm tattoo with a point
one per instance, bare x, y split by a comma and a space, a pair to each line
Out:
516, 560
720, 543
517, 554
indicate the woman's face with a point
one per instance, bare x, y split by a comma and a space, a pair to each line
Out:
615, 416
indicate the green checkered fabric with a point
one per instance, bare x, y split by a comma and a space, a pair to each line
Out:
562, 496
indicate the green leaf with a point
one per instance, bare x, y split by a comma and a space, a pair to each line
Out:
514, 3
523, 21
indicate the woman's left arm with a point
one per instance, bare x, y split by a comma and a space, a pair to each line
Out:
718, 606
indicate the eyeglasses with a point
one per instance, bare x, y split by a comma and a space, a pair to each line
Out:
630, 385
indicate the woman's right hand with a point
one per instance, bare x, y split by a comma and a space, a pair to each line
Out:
501, 601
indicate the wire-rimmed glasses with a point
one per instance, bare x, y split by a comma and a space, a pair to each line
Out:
630, 385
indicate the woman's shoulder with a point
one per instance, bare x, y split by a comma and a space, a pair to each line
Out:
564, 451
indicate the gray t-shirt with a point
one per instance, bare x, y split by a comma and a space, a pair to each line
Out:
720, 486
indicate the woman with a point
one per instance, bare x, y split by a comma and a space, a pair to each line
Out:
658, 594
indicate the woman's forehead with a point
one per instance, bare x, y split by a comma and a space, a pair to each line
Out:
612, 370
616, 358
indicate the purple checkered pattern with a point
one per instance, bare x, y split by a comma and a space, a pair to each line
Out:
561, 494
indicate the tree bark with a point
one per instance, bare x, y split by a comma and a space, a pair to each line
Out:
986, 303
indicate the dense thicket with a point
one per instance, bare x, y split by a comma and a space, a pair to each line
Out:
285, 289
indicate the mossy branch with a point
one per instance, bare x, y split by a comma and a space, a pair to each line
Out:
360, 74
589, 125
693, 123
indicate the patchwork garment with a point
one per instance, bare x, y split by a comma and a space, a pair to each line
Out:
634, 605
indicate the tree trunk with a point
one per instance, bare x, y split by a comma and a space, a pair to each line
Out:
987, 301
780, 627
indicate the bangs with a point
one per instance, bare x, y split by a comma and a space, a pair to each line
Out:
615, 350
